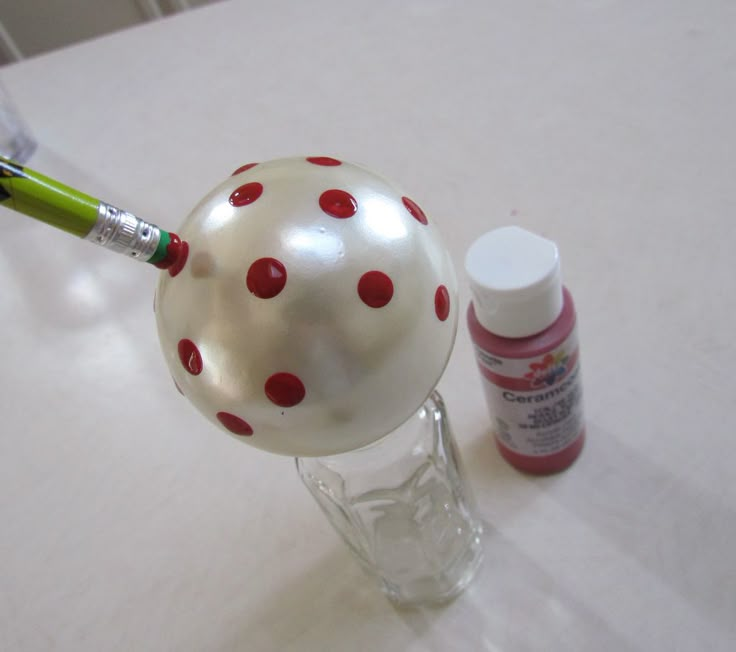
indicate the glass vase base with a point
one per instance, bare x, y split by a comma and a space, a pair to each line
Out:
441, 588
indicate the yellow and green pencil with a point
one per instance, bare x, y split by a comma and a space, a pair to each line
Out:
50, 201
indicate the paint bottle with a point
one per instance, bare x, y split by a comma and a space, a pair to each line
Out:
523, 325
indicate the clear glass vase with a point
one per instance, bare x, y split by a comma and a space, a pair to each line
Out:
403, 507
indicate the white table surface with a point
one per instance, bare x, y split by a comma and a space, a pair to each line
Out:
127, 522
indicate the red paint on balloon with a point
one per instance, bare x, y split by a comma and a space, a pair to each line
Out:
234, 424
324, 160
173, 251
246, 194
285, 389
243, 168
375, 289
416, 212
266, 277
190, 357
181, 258
338, 203
442, 303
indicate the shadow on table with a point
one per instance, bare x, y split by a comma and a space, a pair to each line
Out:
513, 604
673, 530
332, 606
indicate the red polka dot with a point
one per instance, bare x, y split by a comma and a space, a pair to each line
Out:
182, 254
190, 357
284, 389
243, 168
375, 289
416, 212
234, 424
246, 194
266, 277
442, 303
172, 252
323, 160
338, 203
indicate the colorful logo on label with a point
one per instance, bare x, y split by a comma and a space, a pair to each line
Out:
549, 370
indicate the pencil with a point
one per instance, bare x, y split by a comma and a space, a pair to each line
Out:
47, 200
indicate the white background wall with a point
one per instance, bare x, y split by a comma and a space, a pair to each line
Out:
29, 27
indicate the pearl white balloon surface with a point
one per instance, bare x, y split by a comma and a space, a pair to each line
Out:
315, 310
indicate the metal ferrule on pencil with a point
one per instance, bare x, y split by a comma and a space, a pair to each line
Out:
124, 233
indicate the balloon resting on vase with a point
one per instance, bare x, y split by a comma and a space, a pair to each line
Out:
313, 307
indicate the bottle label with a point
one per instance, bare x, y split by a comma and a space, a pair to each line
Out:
536, 403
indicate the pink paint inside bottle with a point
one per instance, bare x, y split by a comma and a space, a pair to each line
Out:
523, 324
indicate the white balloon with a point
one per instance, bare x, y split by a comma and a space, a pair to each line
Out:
316, 309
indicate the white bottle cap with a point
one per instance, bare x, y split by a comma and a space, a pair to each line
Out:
515, 281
